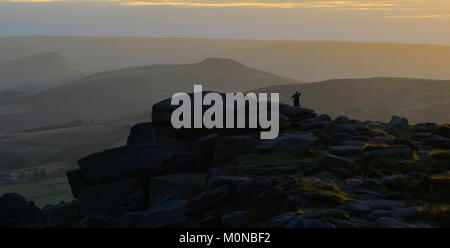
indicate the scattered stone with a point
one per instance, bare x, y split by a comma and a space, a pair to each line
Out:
339, 137
420, 136
168, 206
206, 200
375, 214
322, 118
342, 120
343, 223
440, 155
393, 182
62, 215
296, 222
249, 190
346, 129
147, 220
325, 213
280, 170
405, 213
362, 130
358, 143
95, 221
392, 223
424, 128
16, 211
359, 222
231, 181
388, 204
294, 199
360, 138
208, 220
338, 165
295, 113
376, 125
423, 225
325, 175
443, 131
296, 142
353, 183
437, 142
236, 219
397, 152
280, 221
284, 122
360, 206
399, 127
314, 223
181, 186
345, 150
390, 141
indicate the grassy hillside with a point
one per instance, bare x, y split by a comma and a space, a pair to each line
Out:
379, 98
116, 94
66, 145
40, 158
38, 72
301, 60
49, 191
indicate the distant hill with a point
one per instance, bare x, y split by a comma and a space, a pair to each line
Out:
419, 100
302, 60
38, 72
126, 92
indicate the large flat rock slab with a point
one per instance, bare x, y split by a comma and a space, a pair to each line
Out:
106, 198
124, 162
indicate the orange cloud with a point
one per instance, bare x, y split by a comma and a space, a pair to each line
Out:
35, 1
323, 4
198, 4
415, 17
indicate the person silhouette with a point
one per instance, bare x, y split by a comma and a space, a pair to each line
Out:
296, 98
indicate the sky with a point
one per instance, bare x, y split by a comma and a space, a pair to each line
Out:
405, 21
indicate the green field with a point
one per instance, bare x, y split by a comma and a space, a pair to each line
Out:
49, 191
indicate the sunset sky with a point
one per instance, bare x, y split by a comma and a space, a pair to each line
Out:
410, 21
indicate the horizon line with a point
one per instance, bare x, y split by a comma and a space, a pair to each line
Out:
221, 38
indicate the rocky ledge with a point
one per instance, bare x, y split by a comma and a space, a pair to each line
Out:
319, 173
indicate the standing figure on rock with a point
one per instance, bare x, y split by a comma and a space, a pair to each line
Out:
296, 98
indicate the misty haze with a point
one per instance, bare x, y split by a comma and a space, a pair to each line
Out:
85, 114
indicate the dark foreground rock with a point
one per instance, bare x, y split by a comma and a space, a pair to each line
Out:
107, 198
123, 162
16, 211
318, 173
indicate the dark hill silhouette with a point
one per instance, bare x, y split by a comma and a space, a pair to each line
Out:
301, 60
379, 98
125, 92
38, 72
